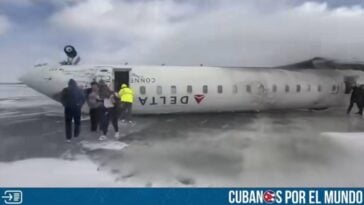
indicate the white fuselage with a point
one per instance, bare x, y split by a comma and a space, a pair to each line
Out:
172, 89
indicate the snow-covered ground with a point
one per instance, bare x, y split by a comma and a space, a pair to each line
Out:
295, 148
19, 96
51, 172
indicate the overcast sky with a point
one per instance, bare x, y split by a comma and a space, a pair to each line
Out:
179, 32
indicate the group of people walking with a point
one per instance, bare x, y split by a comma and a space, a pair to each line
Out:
106, 106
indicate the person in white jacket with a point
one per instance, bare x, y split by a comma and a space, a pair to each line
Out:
94, 103
109, 110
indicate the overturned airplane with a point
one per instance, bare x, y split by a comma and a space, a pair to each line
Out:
318, 83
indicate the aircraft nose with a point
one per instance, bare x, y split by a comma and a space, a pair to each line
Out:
24, 78
29, 77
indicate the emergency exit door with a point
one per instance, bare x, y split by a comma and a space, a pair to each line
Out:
121, 76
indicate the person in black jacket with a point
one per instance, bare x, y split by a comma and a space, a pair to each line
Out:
361, 99
356, 98
72, 99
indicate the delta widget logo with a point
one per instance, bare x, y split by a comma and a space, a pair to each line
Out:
199, 98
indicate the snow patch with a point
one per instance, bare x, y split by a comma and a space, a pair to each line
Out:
49, 172
352, 139
110, 145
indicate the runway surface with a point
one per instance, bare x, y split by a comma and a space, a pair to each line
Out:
293, 148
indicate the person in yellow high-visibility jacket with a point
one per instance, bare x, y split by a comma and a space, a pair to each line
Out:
127, 97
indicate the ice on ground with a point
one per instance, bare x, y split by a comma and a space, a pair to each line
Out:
49, 172
78, 172
20, 103
18, 96
108, 144
351, 139
16, 90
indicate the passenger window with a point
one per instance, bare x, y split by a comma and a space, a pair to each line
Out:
308, 88
248, 89
274, 88
319, 88
142, 90
173, 89
189, 89
298, 88
235, 89
286, 88
219, 89
204, 89
159, 90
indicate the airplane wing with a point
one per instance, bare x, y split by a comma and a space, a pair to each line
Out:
316, 63
313, 63
324, 63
